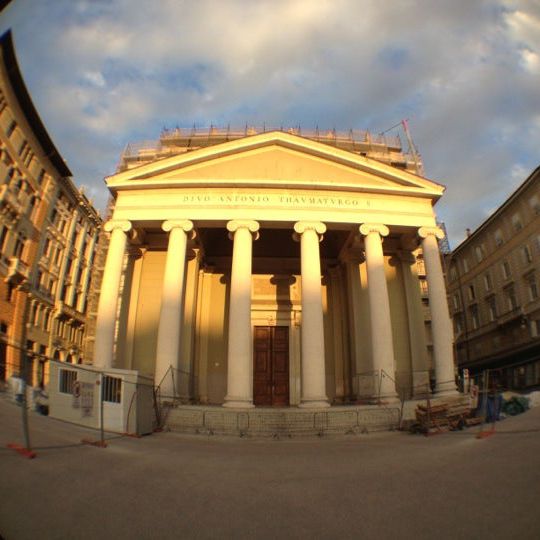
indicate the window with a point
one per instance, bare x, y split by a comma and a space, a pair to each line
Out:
458, 325
3, 238
67, 378
511, 300
499, 239
526, 255
111, 390
11, 128
470, 292
535, 328
506, 270
23, 148
516, 222
465, 265
532, 286
475, 320
453, 270
487, 281
32, 207
535, 204
47, 247
19, 247
492, 308
479, 251
34, 314
455, 300
47, 320
423, 286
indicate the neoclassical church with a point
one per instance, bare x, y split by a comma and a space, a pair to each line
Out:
267, 269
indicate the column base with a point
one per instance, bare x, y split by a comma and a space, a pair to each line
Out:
451, 391
238, 404
386, 397
314, 404
446, 388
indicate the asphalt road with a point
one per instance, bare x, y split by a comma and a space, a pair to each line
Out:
376, 486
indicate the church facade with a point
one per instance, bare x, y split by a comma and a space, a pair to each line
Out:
274, 270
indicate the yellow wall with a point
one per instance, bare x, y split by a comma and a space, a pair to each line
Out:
147, 311
211, 339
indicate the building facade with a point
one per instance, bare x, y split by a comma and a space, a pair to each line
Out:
494, 291
273, 269
48, 231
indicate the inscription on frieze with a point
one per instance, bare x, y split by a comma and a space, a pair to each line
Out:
273, 199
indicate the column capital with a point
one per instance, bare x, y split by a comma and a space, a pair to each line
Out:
235, 224
301, 227
134, 252
123, 225
424, 232
367, 228
185, 224
406, 256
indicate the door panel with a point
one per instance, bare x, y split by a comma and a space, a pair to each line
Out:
262, 367
271, 366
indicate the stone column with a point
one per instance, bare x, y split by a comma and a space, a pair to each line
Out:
239, 355
313, 368
108, 298
417, 330
168, 339
441, 326
382, 347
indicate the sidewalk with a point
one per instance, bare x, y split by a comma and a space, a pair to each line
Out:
384, 485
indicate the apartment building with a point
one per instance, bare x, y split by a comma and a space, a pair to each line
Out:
494, 292
48, 231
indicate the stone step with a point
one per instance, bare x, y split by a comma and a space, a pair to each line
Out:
286, 422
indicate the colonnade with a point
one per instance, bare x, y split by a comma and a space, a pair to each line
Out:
240, 368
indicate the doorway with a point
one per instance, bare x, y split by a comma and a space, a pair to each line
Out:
271, 366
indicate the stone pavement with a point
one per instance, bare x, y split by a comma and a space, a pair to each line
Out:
167, 485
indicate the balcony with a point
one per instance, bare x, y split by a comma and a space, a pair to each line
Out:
510, 316
69, 312
10, 201
17, 271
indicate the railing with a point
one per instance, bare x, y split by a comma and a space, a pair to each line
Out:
17, 270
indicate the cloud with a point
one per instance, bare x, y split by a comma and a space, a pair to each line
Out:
466, 74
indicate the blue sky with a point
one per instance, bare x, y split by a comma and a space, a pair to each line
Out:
466, 73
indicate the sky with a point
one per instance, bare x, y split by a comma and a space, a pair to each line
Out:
465, 73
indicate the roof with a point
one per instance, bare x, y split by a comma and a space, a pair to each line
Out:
27, 106
473, 236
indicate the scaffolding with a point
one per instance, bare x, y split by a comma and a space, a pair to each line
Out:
382, 147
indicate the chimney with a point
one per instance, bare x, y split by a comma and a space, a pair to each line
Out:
468, 231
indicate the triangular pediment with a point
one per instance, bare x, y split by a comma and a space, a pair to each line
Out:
272, 160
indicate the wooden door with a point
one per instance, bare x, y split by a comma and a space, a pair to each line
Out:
271, 366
